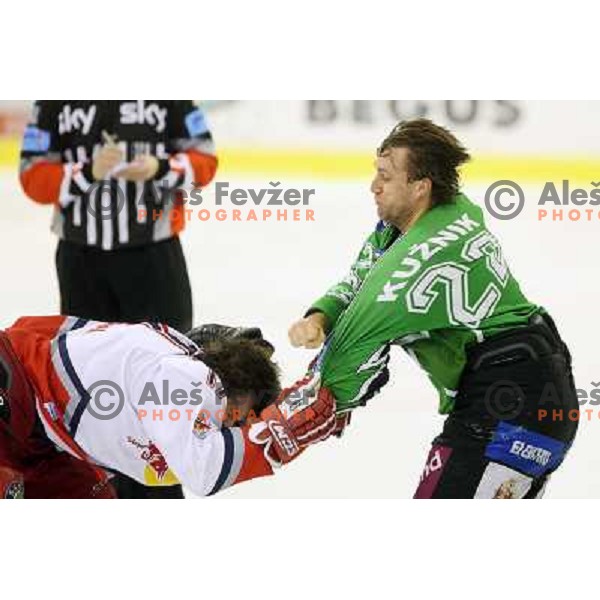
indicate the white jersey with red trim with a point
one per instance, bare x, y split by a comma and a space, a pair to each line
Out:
135, 399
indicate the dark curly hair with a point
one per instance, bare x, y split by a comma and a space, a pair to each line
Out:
244, 367
434, 154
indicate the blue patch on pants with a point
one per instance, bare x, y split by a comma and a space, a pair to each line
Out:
531, 453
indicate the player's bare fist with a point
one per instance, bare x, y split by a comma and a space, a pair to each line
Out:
308, 332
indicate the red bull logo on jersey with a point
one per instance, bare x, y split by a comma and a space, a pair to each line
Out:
157, 471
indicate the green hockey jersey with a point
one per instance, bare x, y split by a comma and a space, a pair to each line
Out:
434, 290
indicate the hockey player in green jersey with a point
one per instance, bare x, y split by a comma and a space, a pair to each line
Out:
433, 279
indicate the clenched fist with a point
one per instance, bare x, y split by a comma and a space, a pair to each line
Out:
308, 332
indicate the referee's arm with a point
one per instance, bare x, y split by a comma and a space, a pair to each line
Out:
193, 159
44, 176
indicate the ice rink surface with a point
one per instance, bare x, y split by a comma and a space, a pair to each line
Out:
266, 273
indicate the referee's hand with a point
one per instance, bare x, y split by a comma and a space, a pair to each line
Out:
141, 169
107, 158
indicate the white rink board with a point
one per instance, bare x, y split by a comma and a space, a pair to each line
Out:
266, 273
509, 127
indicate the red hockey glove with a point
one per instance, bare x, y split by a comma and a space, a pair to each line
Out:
304, 414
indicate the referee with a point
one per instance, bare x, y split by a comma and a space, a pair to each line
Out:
110, 168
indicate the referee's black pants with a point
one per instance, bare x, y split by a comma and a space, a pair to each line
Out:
147, 283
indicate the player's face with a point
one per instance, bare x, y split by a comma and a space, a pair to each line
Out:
238, 409
396, 197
